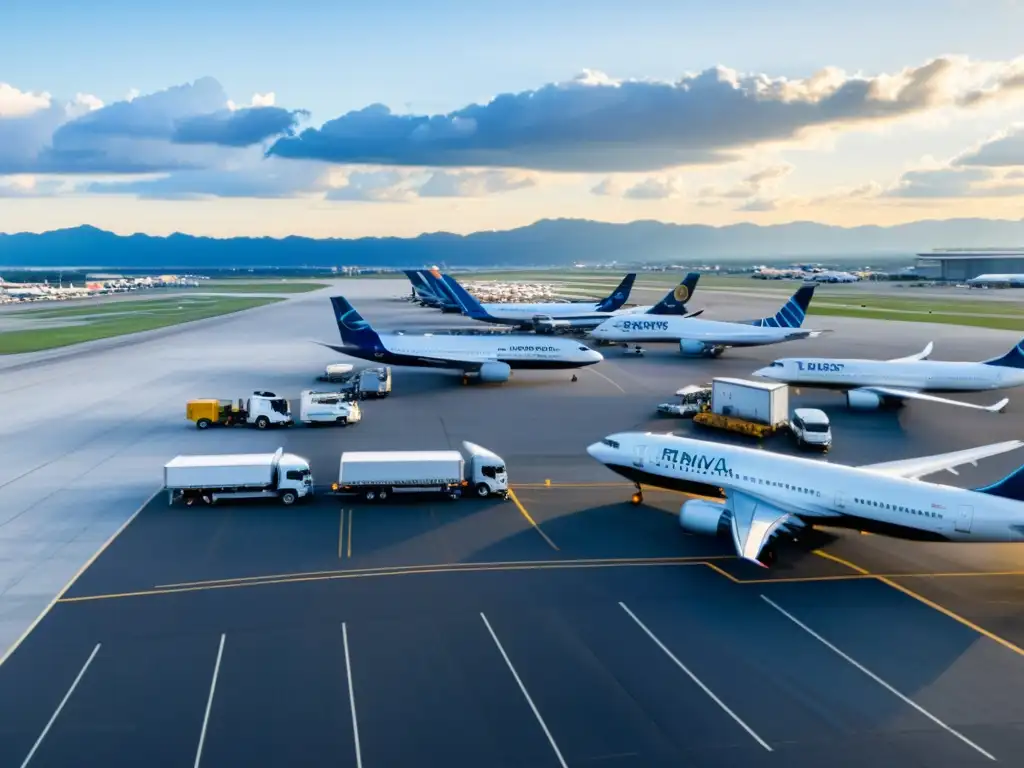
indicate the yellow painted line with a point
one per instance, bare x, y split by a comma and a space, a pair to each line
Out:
351, 514
522, 510
556, 565
935, 606
341, 531
454, 567
847, 563
59, 597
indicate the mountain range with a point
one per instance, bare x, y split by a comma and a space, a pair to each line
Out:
549, 242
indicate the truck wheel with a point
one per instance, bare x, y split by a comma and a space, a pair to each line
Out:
453, 495
288, 498
483, 490
370, 494
203, 423
262, 422
382, 494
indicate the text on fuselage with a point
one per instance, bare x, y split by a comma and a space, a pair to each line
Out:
644, 325
694, 460
822, 367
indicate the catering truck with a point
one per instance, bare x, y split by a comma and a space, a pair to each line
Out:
261, 410
375, 475
363, 383
209, 479
755, 408
328, 408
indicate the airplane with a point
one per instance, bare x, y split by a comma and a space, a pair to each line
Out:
490, 358
552, 317
421, 291
430, 280
872, 384
1004, 281
759, 496
709, 338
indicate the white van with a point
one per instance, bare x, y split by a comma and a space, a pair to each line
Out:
328, 408
811, 428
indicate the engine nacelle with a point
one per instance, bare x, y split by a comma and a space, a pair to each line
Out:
859, 400
691, 348
704, 517
495, 372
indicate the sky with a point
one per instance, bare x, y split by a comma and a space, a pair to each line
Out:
393, 118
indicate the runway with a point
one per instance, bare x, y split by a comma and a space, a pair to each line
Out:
564, 627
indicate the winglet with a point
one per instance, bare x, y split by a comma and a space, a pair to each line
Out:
922, 355
998, 407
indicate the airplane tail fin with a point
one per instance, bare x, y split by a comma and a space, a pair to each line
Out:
1012, 359
1010, 487
675, 300
352, 327
441, 288
618, 297
793, 311
467, 301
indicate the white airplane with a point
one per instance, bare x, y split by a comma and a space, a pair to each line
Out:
709, 338
550, 317
871, 384
766, 495
1006, 281
491, 357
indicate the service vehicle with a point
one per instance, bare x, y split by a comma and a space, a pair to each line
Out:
811, 429
209, 479
328, 408
754, 408
261, 410
376, 475
336, 373
692, 398
363, 383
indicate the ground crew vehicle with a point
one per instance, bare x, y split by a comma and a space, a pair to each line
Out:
261, 410
209, 479
691, 399
811, 429
328, 408
754, 408
363, 383
376, 475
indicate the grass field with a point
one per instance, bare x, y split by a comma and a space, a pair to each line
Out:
260, 286
117, 319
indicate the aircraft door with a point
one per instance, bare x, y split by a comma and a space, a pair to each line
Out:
964, 518
840, 501
638, 455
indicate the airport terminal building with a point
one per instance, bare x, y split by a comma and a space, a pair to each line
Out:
964, 263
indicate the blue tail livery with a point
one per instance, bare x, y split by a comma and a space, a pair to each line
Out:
1010, 487
1012, 359
675, 300
618, 297
469, 304
793, 311
443, 291
354, 330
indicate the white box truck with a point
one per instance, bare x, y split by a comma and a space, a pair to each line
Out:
328, 408
375, 475
755, 408
208, 479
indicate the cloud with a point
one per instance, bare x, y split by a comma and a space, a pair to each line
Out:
387, 186
15, 103
237, 128
597, 124
654, 188
938, 183
1006, 149
760, 205
607, 187
474, 184
751, 186
30, 186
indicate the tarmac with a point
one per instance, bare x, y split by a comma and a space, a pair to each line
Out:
563, 627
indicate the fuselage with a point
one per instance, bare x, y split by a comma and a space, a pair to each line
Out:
818, 492
554, 310
920, 375
519, 351
672, 329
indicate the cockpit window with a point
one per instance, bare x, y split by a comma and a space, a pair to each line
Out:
776, 364
610, 443
584, 349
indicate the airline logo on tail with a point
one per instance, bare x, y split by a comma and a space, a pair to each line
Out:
355, 323
681, 293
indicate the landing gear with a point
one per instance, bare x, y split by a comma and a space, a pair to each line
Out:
638, 497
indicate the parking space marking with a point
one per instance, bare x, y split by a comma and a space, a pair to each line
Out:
209, 700
877, 679
341, 532
56, 712
847, 563
529, 518
696, 680
519, 682
351, 696
351, 515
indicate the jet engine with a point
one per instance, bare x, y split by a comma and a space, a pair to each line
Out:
692, 348
704, 517
859, 400
495, 372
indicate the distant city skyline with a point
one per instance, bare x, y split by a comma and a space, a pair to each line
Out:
393, 119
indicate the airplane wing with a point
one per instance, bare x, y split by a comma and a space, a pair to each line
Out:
911, 394
926, 465
922, 355
753, 524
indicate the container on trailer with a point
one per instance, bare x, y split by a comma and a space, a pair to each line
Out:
762, 402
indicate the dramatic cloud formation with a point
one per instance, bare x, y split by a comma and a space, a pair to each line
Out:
597, 124
1004, 150
237, 128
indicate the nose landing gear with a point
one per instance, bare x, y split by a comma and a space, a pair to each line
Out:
638, 497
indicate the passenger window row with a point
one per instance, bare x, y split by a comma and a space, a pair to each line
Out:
777, 484
897, 508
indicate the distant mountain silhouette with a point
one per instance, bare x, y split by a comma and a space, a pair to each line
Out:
550, 242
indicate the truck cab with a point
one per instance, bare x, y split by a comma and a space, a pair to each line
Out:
485, 472
811, 428
265, 409
328, 408
293, 474
692, 399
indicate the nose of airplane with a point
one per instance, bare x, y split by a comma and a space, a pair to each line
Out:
761, 373
595, 356
594, 450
